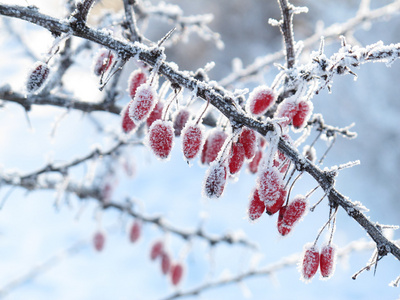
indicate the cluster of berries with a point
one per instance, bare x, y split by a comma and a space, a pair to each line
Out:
313, 259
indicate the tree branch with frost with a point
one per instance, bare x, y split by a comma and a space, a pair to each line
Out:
329, 130
225, 104
330, 33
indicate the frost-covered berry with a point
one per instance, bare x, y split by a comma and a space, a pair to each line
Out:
214, 142
156, 114
260, 100
256, 206
176, 272
126, 122
282, 228
236, 158
165, 263
143, 103
287, 109
269, 185
134, 232
99, 240
160, 138
215, 180
180, 120
327, 260
37, 76
248, 139
156, 250
254, 163
310, 262
192, 140
102, 61
303, 112
136, 78
292, 214
272, 208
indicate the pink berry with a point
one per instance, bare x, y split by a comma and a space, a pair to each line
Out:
310, 262
134, 233
270, 183
215, 141
327, 260
136, 78
143, 103
192, 140
156, 250
161, 138
215, 180
127, 124
180, 120
256, 207
165, 263
236, 158
254, 163
156, 114
102, 61
37, 76
176, 272
248, 139
99, 240
304, 110
260, 100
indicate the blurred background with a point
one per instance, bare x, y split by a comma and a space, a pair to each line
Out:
34, 230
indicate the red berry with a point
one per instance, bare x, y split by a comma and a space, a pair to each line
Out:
292, 214
136, 78
327, 260
102, 61
253, 165
270, 183
304, 109
236, 158
134, 233
272, 208
165, 263
127, 124
256, 207
98, 240
260, 100
176, 272
37, 76
215, 180
282, 228
143, 103
180, 121
192, 140
156, 114
248, 139
156, 250
215, 141
310, 262
287, 109
161, 138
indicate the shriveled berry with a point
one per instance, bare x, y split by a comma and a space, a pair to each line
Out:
236, 158
260, 100
161, 138
248, 139
156, 114
176, 272
327, 260
254, 163
37, 76
310, 262
156, 250
272, 208
134, 233
165, 263
102, 62
256, 207
192, 140
180, 120
303, 112
215, 141
136, 78
143, 103
127, 124
99, 239
215, 180
269, 185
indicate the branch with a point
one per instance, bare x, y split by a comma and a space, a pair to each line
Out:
286, 27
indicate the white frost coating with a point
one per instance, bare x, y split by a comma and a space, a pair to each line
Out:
143, 103
215, 180
160, 139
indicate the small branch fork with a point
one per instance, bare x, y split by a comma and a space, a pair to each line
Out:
223, 103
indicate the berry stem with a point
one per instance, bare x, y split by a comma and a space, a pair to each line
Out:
204, 111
